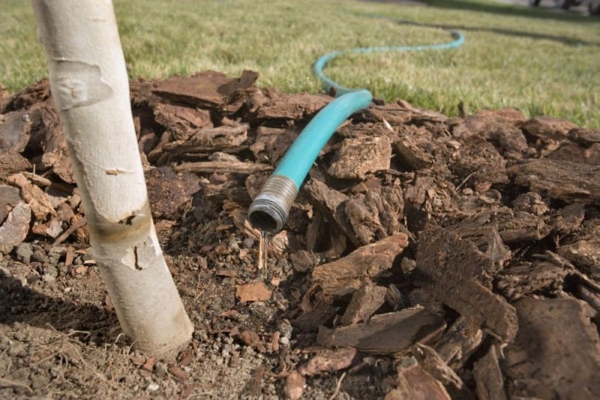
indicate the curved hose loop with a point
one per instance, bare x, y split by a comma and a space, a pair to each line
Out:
270, 208
331, 86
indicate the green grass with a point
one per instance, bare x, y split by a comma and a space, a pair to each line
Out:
542, 62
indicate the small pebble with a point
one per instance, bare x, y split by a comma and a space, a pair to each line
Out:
24, 253
284, 340
160, 369
248, 243
153, 387
16, 350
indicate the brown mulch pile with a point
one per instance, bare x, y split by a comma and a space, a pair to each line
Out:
425, 256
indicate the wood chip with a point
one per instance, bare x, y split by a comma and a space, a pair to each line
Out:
205, 89
445, 263
223, 167
365, 302
349, 273
488, 377
386, 333
434, 365
360, 157
556, 343
9, 197
294, 386
329, 361
178, 373
251, 292
585, 255
561, 180
16, 227
415, 383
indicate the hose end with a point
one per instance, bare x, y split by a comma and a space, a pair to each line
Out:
271, 207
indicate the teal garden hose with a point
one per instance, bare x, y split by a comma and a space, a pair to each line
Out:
270, 208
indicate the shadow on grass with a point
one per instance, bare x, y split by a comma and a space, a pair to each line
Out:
509, 32
517, 11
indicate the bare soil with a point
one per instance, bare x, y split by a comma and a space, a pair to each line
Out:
426, 257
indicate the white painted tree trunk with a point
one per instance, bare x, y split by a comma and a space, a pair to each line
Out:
90, 88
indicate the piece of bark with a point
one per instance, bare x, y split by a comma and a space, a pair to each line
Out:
358, 158
555, 354
254, 385
169, 192
304, 260
548, 128
329, 361
15, 130
569, 218
435, 366
16, 227
576, 153
416, 384
9, 197
458, 343
320, 314
271, 143
499, 127
449, 268
223, 167
488, 377
210, 139
561, 180
54, 144
291, 107
584, 137
521, 280
207, 89
411, 156
51, 228
592, 297
294, 386
421, 115
480, 163
11, 163
584, 254
348, 274
386, 333
251, 292
393, 113
42, 182
38, 200
25, 98
429, 196
530, 202
327, 201
521, 226
365, 302
486, 238
364, 218
181, 121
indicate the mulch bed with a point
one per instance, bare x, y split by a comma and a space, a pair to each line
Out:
425, 256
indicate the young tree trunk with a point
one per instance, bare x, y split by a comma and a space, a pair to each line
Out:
90, 88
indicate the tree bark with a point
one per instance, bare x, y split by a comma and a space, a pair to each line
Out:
90, 88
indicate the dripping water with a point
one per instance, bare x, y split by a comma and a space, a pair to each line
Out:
263, 252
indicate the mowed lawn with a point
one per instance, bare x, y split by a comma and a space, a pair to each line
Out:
541, 62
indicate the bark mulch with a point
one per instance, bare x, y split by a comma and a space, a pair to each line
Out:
425, 257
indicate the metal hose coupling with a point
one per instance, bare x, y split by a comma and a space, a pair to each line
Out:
271, 207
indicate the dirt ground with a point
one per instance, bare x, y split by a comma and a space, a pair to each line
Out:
426, 257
